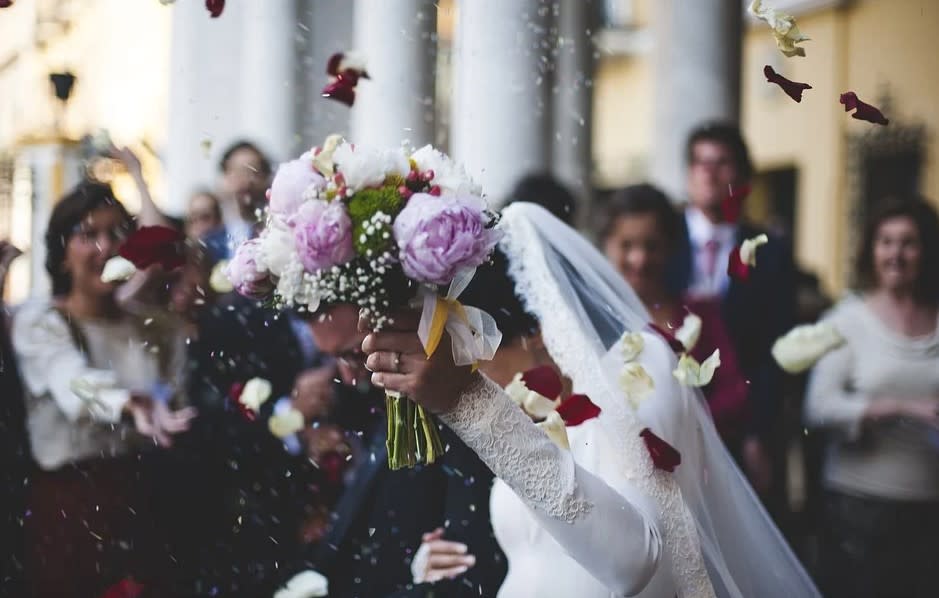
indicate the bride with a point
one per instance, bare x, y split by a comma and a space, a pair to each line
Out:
597, 519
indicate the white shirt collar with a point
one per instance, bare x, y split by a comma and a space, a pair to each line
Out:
701, 230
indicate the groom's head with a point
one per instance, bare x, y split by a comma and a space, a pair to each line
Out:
335, 330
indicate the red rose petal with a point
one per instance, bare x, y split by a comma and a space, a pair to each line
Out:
576, 409
332, 65
732, 205
736, 269
341, 90
234, 395
793, 89
673, 342
862, 110
126, 588
215, 7
6, 3
544, 380
664, 456
154, 245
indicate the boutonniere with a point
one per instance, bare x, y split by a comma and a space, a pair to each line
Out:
743, 258
249, 396
538, 392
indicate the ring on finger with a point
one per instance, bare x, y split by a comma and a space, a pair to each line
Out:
396, 362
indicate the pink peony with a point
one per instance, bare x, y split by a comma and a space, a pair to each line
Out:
246, 275
323, 234
438, 236
291, 184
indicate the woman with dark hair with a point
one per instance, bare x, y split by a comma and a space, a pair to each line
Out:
640, 234
585, 504
90, 373
879, 394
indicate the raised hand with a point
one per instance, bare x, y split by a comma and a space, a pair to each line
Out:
155, 420
438, 559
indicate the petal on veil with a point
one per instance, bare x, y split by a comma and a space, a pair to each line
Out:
664, 456
577, 409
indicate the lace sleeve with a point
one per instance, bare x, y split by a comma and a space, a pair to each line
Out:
611, 533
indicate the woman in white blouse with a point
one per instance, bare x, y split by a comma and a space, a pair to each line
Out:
878, 394
92, 375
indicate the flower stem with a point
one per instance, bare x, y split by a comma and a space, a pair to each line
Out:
413, 437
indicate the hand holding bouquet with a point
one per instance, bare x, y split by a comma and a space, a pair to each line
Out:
382, 230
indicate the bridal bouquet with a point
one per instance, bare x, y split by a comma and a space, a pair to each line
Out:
382, 229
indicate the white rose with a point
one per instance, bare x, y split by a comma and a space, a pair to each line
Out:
218, 280
364, 166
636, 383
308, 584
255, 393
286, 423
117, 269
448, 175
691, 373
801, 347
748, 249
277, 247
689, 332
632, 344
554, 427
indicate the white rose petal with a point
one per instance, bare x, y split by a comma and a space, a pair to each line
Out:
636, 383
554, 427
748, 249
632, 344
255, 393
308, 584
117, 269
286, 423
362, 166
534, 404
517, 390
801, 347
323, 161
784, 27
691, 373
690, 331
218, 280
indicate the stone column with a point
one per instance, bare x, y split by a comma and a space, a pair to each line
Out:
697, 78
398, 42
572, 141
501, 101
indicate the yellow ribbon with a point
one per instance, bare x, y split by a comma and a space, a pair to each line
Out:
438, 323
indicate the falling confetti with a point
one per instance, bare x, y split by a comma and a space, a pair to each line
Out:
793, 89
862, 110
344, 71
206, 145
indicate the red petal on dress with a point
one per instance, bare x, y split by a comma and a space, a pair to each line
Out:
664, 456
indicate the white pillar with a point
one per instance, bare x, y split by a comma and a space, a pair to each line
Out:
571, 155
697, 70
398, 42
267, 77
501, 103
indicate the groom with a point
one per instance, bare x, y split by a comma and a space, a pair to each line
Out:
381, 517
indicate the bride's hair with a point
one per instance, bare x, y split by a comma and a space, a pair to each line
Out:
493, 291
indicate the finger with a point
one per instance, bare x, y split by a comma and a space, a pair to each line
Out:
404, 342
396, 382
365, 323
403, 321
449, 573
446, 561
432, 535
391, 361
447, 547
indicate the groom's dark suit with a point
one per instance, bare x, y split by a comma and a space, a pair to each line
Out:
378, 524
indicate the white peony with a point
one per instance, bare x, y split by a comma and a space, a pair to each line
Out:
554, 427
286, 423
690, 331
118, 269
632, 344
691, 373
277, 247
635, 383
308, 584
450, 176
362, 166
534, 404
218, 280
801, 347
255, 393
748, 249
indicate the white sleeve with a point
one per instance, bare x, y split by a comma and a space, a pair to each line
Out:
50, 363
604, 529
830, 401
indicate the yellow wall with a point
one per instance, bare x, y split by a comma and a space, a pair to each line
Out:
868, 46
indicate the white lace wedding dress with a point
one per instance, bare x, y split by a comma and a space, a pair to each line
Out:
599, 520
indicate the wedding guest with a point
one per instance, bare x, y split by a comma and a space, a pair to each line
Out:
548, 192
203, 214
639, 237
757, 311
879, 396
90, 372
